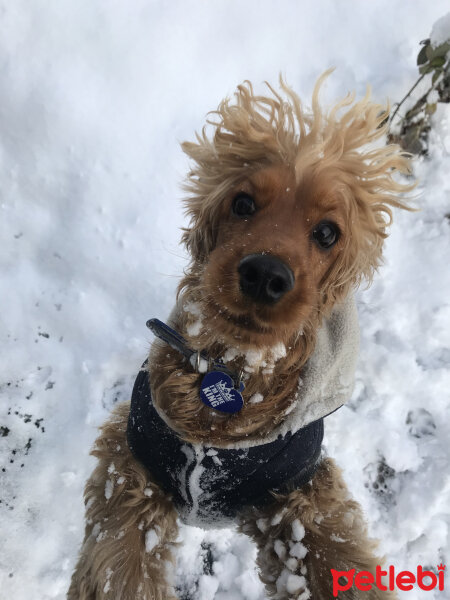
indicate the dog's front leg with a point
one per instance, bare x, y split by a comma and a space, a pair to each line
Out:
305, 535
131, 526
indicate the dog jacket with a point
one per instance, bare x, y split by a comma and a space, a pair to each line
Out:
209, 485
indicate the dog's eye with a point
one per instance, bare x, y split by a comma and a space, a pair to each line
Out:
326, 234
243, 205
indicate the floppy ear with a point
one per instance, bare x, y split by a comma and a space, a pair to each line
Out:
375, 192
206, 187
204, 208
369, 197
339, 145
199, 238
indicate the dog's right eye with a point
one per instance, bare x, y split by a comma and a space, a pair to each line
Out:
326, 234
243, 205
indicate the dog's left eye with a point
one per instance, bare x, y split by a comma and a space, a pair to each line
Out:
326, 234
243, 205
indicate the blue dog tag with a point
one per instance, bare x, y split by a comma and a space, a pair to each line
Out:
217, 391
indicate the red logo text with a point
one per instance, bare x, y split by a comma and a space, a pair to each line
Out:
404, 580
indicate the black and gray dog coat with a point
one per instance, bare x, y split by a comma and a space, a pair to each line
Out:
208, 484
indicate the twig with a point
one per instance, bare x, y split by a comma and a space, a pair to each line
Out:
406, 96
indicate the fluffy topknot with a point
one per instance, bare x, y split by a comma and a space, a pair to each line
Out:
256, 131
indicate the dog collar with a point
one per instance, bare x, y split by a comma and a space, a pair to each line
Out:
221, 388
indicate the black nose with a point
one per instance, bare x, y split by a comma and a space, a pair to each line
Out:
265, 278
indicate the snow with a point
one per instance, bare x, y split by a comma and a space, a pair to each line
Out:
433, 97
292, 564
257, 358
298, 531
193, 483
262, 524
151, 540
298, 550
107, 586
94, 101
337, 538
109, 487
280, 549
276, 519
194, 328
295, 583
278, 352
253, 359
440, 31
256, 398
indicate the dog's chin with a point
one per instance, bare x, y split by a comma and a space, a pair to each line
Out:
246, 330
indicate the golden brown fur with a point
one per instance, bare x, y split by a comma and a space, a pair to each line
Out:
114, 562
301, 167
335, 536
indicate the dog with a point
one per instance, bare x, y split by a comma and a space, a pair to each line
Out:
288, 213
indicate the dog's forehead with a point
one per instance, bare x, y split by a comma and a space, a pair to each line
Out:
274, 179
279, 182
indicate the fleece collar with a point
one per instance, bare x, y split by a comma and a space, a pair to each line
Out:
326, 380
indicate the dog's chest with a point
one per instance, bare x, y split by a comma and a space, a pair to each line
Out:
209, 486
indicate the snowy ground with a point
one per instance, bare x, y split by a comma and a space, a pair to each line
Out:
94, 98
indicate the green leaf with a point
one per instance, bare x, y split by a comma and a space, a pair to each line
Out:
427, 68
422, 56
437, 62
429, 51
430, 108
437, 73
439, 51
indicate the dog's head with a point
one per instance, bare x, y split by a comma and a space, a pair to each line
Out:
288, 210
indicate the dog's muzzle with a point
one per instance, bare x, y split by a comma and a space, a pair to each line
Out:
265, 278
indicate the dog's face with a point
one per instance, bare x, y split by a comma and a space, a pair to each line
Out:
275, 243
288, 213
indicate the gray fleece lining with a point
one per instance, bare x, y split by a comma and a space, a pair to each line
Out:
326, 381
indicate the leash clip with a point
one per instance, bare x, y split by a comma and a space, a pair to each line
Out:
178, 343
197, 361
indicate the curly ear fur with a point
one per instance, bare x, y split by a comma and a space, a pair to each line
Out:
258, 131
